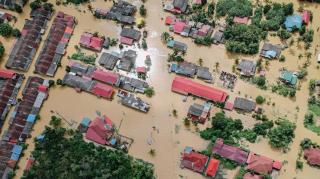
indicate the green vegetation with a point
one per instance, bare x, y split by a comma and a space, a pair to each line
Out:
87, 59
176, 56
5, 30
283, 34
77, 1
281, 136
263, 128
299, 165
260, 81
241, 173
260, 100
80, 159
2, 50
142, 10
284, 90
233, 8
55, 122
149, 92
207, 40
242, 38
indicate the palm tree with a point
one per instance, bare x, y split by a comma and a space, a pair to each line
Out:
200, 61
217, 66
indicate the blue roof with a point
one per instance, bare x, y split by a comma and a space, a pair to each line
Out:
14, 114
271, 54
15, 157
40, 138
293, 21
170, 43
188, 149
113, 141
85, 121
31, 118
173, 67
17, 149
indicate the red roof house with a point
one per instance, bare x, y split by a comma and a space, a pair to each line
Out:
102, 90
100, 130
85, 39
30, 162
170, 20
105, 76
212, 167
141, 70
252, 176
228, 106
178, 27
312, 156
241, 20
261, 164
194, 161
230, 152
185, 86
126, 41
6, 73
68, 30
306, 17
96, 43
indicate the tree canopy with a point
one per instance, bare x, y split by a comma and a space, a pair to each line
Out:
63, 156
281, 136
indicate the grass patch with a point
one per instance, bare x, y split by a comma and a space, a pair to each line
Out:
315, 109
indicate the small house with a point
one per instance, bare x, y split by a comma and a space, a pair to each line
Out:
187, 69
293, 22
193, 160
261, 164
180, 46
289, 78
199, 113
102, 90
212, 168
244, 104
131, 34
270, 51
108, 60
107, 77
241, 20
247, 68
84, 124
218, 37
178, 27
312, 156
306, 17
170, 20
180, 5
100, 130
204, 74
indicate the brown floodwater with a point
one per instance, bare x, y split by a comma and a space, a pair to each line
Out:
173, 136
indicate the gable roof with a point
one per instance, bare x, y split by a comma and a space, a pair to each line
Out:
102, 90
259, 164
105, 76
230, 152
6, 73
186, 86
293, 21
212, 167
178, 27
194, 161
130, 33
99, 130
244, 104
247, 67
312, 155
180, 5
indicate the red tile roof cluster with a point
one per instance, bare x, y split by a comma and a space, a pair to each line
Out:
186, 87
102, 90
89, 41
126, 41
306, 16
230, 152
178, 27
212, 167
105, 76
8, 74
261, 164
241, 20
194, 161
312, 155
62, 24
100, 130
170, 20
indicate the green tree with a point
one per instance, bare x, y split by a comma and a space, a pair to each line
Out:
142, 10
5, 30
2, 50
260, 100
281, 136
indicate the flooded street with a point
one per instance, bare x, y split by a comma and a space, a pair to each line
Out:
173, 136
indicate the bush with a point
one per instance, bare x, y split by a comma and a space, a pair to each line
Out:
282, 135
306, 143
5, 30
16, 32
299, 165
142, 10
149, 92
260, 100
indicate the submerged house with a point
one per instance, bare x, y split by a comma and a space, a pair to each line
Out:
261, 164
187, 69
204, 74
293, 22
134, 102
230, 152
55, 44
176, 45
289, 78
199, 113
193, 160
100, 130
108, 60
244, 104
89, 41
270, 51
25, 47
107, 77
188, 87
10, 83
180, 6
312, 155
12, 4
122, 12
129, 36
127, 60
247, 68
218, 37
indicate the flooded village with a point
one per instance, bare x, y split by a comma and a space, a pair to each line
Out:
193, 88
